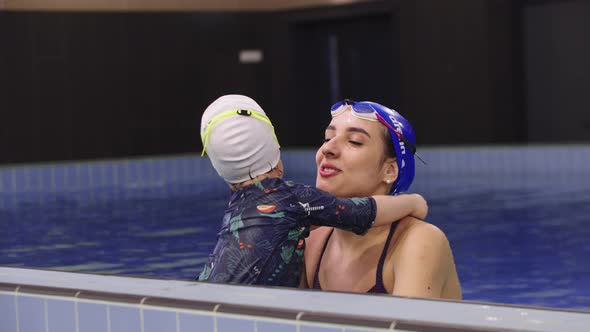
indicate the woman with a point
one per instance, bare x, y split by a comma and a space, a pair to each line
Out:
369, 150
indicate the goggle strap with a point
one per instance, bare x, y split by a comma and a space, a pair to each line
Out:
224, 115
400, 137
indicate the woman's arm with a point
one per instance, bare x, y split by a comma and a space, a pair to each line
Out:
423, 263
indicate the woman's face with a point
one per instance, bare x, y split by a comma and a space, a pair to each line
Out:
352, 161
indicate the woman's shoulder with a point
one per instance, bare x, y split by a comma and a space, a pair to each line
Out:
423, 262
420, 230
420, 240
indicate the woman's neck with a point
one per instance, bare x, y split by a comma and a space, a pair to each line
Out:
346, 240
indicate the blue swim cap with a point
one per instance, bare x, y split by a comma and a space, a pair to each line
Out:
404, 144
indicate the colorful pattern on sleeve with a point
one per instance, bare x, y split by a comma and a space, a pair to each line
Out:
323, 209
262, 237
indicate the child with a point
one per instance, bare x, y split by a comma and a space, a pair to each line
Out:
262, 235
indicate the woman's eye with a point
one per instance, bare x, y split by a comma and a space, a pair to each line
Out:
326, 140
355, 143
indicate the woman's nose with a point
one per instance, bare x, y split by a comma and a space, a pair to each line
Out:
330, 148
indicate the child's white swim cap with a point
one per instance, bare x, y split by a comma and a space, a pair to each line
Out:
238, 138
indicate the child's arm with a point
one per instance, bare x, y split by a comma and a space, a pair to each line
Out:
354, 214
393, 208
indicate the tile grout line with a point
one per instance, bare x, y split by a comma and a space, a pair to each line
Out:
52, 179
13, 179
392, 325
46, 314
215, 317
16, 308
77, 177
76, 318
26, 180
108, 317
298, 322
115, 174
89, 173
126, 173
141, 314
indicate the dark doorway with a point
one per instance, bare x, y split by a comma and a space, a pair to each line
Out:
356, 58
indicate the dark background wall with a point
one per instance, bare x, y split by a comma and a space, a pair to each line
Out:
557, 65
84, 85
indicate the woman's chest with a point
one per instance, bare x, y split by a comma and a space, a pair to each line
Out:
349, 274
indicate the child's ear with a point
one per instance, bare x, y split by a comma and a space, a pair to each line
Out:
391, 170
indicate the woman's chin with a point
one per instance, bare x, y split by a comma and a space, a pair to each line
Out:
332, 188
324, 184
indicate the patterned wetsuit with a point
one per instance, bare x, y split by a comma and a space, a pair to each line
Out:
263, 230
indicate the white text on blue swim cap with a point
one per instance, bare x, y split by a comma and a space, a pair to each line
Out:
398, 127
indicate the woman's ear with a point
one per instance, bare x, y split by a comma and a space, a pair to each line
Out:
391, 170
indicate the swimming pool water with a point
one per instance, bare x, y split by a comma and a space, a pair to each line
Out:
521, 239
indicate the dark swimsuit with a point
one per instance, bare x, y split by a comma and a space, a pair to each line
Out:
379, 288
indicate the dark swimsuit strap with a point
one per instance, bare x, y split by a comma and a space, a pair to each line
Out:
379, 286
316, 279
379, 277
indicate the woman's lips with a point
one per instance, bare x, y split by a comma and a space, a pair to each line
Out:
327, 170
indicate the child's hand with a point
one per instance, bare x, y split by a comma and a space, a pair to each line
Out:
421, 210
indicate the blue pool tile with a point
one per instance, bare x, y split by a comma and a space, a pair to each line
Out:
92, 317
195, 322
45, 180
108, 174
318, 328
83, 173
226, 324
159, 320
18, 180
119, 173
31, 179
266, 326
174, 168
31, 314
6, 181
144, 170
58, 181
124, 319
93, 175
71, 178
8, 313
134, 172
160, 167
61, 316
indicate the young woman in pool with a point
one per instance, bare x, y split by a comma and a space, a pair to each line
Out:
369, 150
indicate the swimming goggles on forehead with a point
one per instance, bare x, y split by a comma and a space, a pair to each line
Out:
366, 111
228, 114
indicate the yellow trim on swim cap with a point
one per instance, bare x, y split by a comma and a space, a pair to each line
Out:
227, 114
